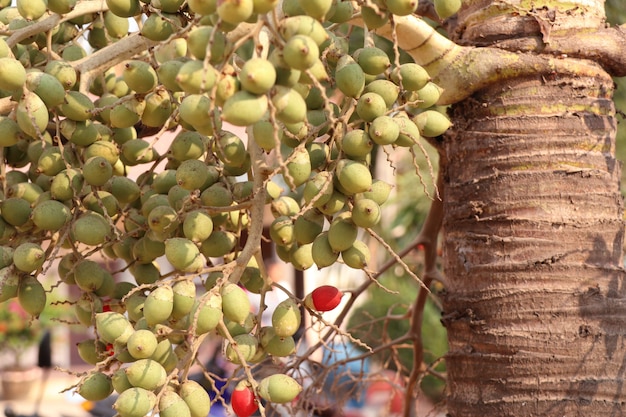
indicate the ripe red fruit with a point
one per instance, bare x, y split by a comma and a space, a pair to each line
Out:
243, 400
324, 298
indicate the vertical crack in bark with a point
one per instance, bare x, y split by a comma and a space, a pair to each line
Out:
535, 308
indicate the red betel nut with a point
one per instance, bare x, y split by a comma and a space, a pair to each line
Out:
324, 298
243, 401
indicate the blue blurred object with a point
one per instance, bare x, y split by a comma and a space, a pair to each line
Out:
345, 378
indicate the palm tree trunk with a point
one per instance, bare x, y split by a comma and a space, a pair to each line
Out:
533, 228
533, 234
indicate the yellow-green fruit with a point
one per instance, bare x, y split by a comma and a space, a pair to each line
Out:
370, 106
10, 283
230, 149
124, 8
135, 402
379, 193
447, 8
301, 52
96, 387
32, 115
120, 382
235, 303
366, 213
142, 344
302, 257
428, 95
210, 313
410, 76
127, 114
244, 108
172, 405
62, 71
308, 226
15, 211
244, 345
220, 243
197, 43
290, 105
184, 298
158, 108
373, 60
195, 108
409, 132
279, 388
196, 397
147, 374
298, 168
195, 77
431, 123
77, 106
163, 220
159, 304
31, 295
336, 202
357, 256
187, 145
197, 226
89, 351
113, 327
285, 206
47, 87
97, 171
164, 354
342, 232
401, 7
303, 25
31, 9
51, 215
50, 161
274, 345
357, 143
286, 318
91, 229
10, 133
384, 88
282, 231
29, 257
138, 151
349, 76
317, 9
384, 130
235, 11
319, 189
353, 176
257, 75
139, 76
89, 275
374, 19
12, 74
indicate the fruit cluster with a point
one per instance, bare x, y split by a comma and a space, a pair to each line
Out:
315, 110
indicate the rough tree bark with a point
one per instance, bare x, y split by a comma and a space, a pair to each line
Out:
533, 225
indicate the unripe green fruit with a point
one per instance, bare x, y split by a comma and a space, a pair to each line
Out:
164, 181
29, 257
138, 151
235, 11
147, 374
301, 52
158, 108
244, 108
379, 193
127, 114
356, 143
349, 76
341, 12
284, 206
12, 73
142, 344
51, 215
164, 354
447, 8
89, 275
193, 174
187, 145
140, 76
124, 189
370, 106
357, 256
62, 71
15, 211
218, 244
197, 43
145, 273
353, 176
282, 231
308, 226
77, 106
168, 71
257, 76
274, 345
120, 382
91, 229
342, 232
31, 295
210, 313
384, 130
32, 115
51, 161
366, 213
319, 188
10, 283
47, 87
290, 106
96, 387
184, 298
302, 257
373, 60
31, 9
428, 95
279, 388
159, 304
194, 77
235, 303
195, 108
135, 402
97, 171
230, 149
197, 226
374, 19
409, 132
203, 7
183, 254
401, 7
317, 9
303, 25
335, 204
298, 168
410, 76
172, 405
432, 123
124, 8
286, 318
196, 397
384, 88
245, 345
89, 351
168, 6
163, 220
113, 327
10, 133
